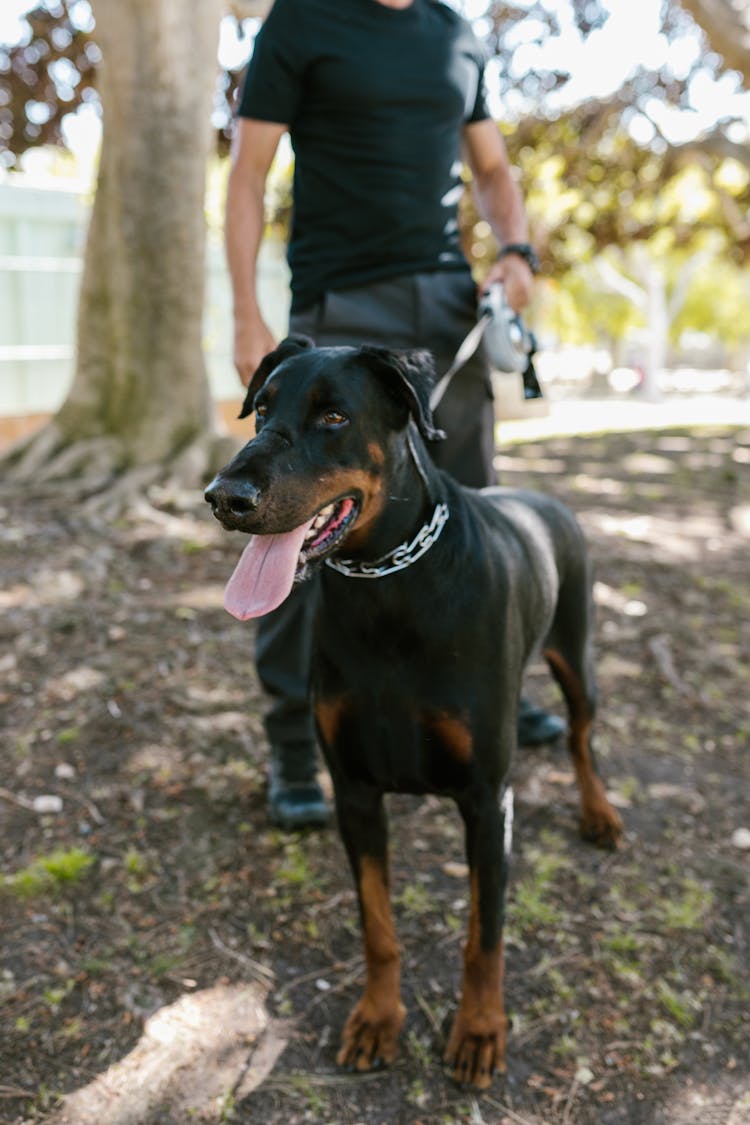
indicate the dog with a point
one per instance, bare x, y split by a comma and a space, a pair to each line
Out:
432, 599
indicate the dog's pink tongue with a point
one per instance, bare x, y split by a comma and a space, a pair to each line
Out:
264, 575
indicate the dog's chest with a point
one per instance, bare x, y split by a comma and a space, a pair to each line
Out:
396, 742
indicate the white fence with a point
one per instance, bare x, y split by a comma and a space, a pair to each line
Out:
42, 237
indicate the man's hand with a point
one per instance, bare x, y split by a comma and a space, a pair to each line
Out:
253, 340
517, 279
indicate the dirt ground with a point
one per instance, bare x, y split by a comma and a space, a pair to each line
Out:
138, 865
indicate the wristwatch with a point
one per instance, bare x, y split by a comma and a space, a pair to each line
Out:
524, 250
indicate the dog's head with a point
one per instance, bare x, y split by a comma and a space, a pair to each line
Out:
406, 375
331, 433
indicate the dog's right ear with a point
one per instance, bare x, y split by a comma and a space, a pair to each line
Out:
292, 345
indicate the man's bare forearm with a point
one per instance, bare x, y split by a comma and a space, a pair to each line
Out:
500, 203
245, 220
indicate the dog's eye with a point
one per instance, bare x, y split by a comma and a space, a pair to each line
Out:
261, 409
333, 418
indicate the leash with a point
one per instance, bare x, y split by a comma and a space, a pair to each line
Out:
466, 349
510, 345
400, 557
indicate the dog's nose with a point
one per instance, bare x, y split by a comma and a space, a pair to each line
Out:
232, 499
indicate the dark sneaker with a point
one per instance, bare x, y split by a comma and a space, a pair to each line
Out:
295, 799
535, 726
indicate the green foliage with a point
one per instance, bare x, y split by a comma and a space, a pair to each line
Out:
532, 902
681, 1006
416, 899
53, 873
68, 734
295, 870
687, 909
718, 303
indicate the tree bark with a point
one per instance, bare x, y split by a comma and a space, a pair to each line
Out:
140, 395
140, 373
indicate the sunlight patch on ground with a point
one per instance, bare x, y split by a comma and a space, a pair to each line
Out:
648, 464
195, 1059
607, 596
52, 586
687, 539
740, 520
599, 486
65, 688
195, 597
583, 416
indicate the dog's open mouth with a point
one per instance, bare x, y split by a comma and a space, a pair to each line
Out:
271, 564
327, 529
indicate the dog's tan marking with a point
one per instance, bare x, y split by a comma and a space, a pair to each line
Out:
368, 484
600, 823
329, 713
377, 453
454, 734
372, 1030
476, 1046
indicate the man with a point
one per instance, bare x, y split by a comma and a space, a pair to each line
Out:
382, 100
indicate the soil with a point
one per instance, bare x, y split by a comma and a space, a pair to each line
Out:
151, 871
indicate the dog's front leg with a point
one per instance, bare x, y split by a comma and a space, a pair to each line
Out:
476, 1046
371, 1032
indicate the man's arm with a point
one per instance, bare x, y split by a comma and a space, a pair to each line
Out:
253, 150
500, 203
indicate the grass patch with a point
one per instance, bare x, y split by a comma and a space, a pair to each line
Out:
688, 910
532, 901
49, 874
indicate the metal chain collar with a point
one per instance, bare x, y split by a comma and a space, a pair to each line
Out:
400, 557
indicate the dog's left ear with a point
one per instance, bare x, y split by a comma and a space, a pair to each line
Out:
292, 345
410, 376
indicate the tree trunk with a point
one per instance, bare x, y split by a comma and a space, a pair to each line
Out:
726, 24
140, 395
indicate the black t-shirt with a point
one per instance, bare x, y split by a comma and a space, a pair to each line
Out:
375, 99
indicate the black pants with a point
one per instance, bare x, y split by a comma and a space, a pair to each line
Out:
430, 310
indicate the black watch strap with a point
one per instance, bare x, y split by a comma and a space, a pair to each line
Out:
524, 250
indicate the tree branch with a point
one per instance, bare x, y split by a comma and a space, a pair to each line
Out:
727, 28
618, 283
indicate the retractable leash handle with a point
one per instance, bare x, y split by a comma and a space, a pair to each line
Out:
509, 343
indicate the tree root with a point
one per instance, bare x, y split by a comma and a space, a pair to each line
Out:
97, 458
93, 473
119, 496
26, 456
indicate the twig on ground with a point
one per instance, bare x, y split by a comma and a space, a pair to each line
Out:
14, 799
434, 1021
15, 1092
257, 971
660, 648
508, 1111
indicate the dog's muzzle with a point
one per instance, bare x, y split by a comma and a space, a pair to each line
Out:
232, 501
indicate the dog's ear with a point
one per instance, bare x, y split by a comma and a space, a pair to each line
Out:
409, 375
292, 345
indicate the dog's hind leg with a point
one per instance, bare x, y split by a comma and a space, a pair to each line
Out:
569, 655
476, 1045
371, 1032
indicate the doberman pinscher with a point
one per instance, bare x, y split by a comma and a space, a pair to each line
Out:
433, 597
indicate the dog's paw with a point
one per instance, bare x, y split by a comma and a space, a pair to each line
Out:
474, 1053
370, 1038
602, 825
